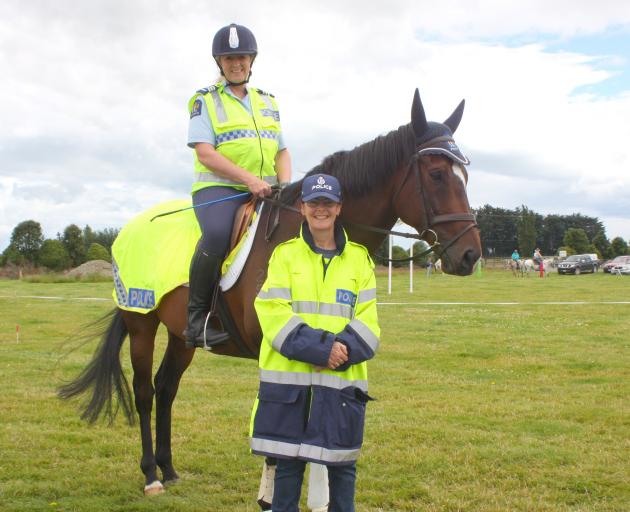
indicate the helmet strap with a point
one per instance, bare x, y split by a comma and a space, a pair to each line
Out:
238, 83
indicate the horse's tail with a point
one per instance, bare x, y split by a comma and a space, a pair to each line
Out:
103, 375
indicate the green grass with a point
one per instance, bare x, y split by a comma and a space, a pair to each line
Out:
61, 278
481, 407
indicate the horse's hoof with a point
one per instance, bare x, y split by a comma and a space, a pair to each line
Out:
170, 481
154, 488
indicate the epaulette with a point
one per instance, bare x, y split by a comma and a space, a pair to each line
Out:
260, 91
208, 89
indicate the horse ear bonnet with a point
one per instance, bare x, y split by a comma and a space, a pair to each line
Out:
437, 138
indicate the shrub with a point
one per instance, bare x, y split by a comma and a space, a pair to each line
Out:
98, 252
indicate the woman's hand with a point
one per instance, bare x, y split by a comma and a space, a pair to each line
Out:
258, 187
338, 355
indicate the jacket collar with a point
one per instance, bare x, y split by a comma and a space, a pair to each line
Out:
340, 237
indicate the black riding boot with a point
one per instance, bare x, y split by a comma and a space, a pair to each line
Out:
204, 275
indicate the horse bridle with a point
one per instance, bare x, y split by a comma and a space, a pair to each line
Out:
431, 219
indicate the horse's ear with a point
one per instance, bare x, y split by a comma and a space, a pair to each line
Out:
418, 118
453, 121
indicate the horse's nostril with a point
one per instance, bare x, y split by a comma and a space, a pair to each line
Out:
470, 257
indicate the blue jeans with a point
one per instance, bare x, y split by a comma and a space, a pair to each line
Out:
288, 486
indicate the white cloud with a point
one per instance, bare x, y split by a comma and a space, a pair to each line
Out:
93, 98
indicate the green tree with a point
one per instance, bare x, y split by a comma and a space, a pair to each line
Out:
497, 229
98, 252
418, 248
88, 237
526, 229
590, 225
72, 240
618, 247
553, 230
381, 255
576, 239
11, 256
106, 237
27, 239
398, 253
53, 255
601, 243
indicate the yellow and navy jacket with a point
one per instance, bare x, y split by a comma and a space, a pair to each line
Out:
305, 304
248, 140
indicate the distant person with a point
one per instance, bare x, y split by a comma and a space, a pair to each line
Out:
317, 311
516, 256
538, 259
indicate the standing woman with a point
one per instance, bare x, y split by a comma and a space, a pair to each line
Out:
538, 259
238, 147
317, 311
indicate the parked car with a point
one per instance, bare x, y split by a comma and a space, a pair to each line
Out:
623, 269
595, 258
619, 260
577, 264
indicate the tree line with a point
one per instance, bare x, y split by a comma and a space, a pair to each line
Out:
503, 230
74, 246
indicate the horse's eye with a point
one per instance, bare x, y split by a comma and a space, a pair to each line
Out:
436, 175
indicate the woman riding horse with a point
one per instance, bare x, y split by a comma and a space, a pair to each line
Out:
235, 132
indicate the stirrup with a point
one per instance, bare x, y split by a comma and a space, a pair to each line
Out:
216, 339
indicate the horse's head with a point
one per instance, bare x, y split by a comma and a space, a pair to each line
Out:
432, 195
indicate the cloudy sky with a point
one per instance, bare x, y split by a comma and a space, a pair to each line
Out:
93, 96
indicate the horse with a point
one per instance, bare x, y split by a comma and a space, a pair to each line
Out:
388, 178
547, 263
527, 266
517, 267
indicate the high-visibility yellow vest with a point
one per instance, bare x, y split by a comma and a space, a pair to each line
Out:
248, 140
340, 302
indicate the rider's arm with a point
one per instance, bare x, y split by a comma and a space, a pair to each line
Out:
283, 166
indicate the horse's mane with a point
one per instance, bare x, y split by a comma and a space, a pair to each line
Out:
365, 167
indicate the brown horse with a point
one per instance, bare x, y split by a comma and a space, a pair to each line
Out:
382, 180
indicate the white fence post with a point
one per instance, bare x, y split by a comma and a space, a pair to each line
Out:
411, 269
389, 280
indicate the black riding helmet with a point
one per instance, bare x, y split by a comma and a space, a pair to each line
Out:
234, 40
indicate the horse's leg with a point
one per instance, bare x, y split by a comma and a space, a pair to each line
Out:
176, 359
142, 329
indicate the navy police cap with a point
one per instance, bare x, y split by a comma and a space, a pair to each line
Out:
321, 185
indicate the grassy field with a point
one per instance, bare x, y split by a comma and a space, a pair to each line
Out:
482, 406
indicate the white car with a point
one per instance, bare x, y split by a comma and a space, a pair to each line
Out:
623, 269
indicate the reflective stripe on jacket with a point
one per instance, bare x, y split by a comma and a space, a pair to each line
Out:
248, 140
302, 309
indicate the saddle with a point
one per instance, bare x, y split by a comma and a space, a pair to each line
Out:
242, 220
